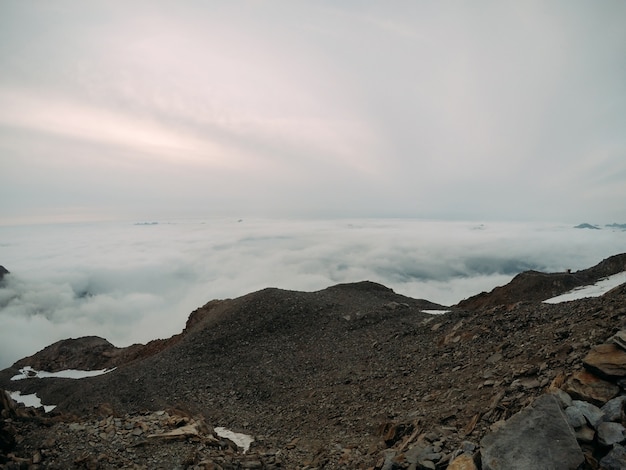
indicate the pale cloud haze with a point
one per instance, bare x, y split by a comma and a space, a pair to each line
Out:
342, 133
134, 283
450, 110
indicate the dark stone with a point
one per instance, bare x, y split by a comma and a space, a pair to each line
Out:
539, 436
614, 460
612, 409
592, 413
610, 433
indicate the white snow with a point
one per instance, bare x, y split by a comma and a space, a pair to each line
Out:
29, 373
31, 400
593, 290
436, 312
242, 440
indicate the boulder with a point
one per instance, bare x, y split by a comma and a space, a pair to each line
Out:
539, 436
588, 387
607, 360
615, 459
611, 433
563, 397
575, 417
592, 413
612, 409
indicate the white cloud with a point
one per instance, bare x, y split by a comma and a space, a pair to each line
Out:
132, 283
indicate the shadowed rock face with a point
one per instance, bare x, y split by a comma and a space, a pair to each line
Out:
531, 286
537, 437
3, 271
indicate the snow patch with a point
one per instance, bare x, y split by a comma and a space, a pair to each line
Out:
31, 400
593, 290
241, 440
435, 312
29, 373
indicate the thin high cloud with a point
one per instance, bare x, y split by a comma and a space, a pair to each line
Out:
133, 283
506, 111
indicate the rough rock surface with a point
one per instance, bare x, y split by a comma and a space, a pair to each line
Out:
352, 377
538, 286
537, 437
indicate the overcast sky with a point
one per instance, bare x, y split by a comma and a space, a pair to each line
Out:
456, 110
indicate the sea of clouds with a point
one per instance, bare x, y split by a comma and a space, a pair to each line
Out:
131, 282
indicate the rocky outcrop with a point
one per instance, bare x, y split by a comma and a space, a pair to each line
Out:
353, 376
537, 437
7, 432
532, 286
3, 272
87, 353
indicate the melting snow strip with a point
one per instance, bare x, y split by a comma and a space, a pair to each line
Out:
594, 290
29, 373
435, 312
241, 440
31, 400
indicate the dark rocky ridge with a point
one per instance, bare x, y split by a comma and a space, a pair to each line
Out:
538, 286
347, 371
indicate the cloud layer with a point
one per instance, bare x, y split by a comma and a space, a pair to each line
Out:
133, 283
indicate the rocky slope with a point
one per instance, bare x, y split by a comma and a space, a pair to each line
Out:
538, 286
353, 376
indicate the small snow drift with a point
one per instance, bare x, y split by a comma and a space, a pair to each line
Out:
241, 440
593, 290
31, 400
30, 373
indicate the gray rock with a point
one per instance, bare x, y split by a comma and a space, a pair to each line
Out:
592, 413
614, 460
575, 417
563, 397
539, 436
610, 433
613, 409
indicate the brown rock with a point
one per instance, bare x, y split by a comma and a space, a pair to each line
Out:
463, 462
587, 387
607, 360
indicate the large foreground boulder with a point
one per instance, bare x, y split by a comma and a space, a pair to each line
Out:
537, 437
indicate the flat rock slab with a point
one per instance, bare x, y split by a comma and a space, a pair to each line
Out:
462, 462
588, 387
537, 437
608, 360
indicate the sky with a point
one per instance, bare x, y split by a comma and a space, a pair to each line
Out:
501, 110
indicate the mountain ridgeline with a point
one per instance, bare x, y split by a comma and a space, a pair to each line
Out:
352, 376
